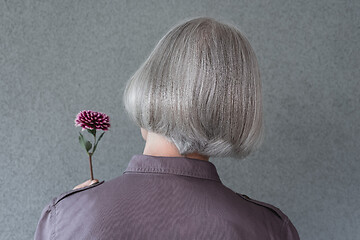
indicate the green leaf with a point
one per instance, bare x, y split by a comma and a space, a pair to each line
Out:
82, 140
98, 141
101, 137
88, 146
92, 131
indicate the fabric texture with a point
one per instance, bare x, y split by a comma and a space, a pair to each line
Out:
162, 198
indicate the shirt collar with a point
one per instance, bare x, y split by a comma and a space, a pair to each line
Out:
173, 165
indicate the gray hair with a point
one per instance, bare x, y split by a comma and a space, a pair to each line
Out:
200, 88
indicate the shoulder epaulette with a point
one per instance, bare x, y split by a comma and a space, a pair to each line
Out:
68, 193
274, 209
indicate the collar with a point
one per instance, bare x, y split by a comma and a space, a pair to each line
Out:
173, 165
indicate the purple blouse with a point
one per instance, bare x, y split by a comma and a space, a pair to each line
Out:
162, 198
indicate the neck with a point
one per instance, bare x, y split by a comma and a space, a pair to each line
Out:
158, 145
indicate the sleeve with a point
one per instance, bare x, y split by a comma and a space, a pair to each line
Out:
44, 229
289, 231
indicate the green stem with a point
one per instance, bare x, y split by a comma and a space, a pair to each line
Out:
94, 142
91, 169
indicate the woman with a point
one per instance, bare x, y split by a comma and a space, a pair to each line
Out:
197, 96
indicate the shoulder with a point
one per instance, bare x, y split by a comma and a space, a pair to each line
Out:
288, 230
65, 195
47, 222
276, 211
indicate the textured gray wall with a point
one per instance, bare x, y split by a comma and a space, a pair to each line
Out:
60, 57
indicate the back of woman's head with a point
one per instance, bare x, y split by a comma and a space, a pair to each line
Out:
201, 89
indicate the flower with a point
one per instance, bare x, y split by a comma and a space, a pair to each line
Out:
88, 119
91, 121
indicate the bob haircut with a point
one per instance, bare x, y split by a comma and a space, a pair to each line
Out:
200, 88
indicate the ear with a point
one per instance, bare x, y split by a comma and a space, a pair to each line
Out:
144, 133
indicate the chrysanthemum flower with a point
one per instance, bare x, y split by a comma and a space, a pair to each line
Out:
88, 119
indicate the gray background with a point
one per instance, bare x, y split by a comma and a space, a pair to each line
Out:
60, 57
